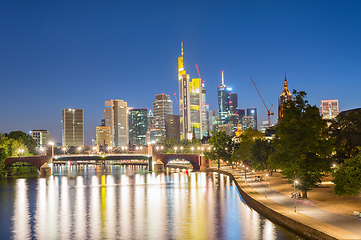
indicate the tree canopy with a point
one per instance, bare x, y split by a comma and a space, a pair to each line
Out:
346, 132
347, 178
301, 145
222, 147
260, 151
242, 150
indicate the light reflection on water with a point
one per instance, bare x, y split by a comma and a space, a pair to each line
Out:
117, 202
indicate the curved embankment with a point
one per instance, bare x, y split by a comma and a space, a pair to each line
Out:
304, 225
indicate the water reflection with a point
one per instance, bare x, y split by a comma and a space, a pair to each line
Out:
112, 202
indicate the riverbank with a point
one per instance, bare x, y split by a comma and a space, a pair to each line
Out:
312, 218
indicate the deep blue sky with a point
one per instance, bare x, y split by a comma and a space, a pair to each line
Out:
77, 54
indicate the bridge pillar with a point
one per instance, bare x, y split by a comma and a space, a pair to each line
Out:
150, 164
47, 168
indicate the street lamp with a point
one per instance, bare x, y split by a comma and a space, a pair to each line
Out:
21, 151
64, 151
79, 149
265, 190
175, 149
41, 150
294, 193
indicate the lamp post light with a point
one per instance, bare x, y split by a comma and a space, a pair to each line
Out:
21, 151
64, 150
265, 190
79, 149
41, 149
175, 149
109, 149
294, 193
192, 148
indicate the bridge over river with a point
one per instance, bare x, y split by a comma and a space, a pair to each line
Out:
44, 163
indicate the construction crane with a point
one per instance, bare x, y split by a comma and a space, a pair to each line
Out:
268, 110
199, 75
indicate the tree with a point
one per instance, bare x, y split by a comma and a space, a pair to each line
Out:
302, 147
222, 147
25, 139
242, 150
3, 157
347, 178
346, 132
260, 151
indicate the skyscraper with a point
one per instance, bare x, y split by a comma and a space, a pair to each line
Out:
138, 126
162, 106
329, 109
116, 117
41, 137
252, 112
73, 127
103, 137
172, 126
224, 93
205, 113
190, 102
285, 96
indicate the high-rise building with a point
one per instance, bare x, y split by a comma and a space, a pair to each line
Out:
172, 126
241, 114
252, 112
162, 106
138, 126
329, 109
150, 120
233, 103
190, 102
205, 112
247, 122
116, 117
41, 137
224, 93
103, 137
73, 127
285, 96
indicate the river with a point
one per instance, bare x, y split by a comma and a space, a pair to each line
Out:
128, 202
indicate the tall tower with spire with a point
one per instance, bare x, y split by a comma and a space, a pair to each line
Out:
224, 94
285, 96
190, 102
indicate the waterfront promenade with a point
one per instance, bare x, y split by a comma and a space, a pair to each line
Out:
323, 210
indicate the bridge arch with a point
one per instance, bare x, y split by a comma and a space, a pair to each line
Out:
37, 161
197, 161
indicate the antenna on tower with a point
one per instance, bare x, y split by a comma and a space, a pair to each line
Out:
222, 78
182, 48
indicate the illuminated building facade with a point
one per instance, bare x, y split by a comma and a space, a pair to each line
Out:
116, 117
103, 137
252, 112
73, 127
41, 137
190, 102
172, 126
224, 95
285, 96
138, 126
329, 109
162, 106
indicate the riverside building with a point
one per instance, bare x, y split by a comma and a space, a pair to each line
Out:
73, 127
116, 117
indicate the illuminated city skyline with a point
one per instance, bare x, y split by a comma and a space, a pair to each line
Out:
80, 54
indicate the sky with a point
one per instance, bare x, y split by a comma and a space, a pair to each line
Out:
78, 54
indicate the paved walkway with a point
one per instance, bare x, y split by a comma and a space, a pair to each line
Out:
304, 207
